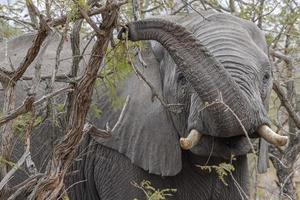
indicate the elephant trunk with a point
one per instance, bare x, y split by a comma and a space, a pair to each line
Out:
207, 76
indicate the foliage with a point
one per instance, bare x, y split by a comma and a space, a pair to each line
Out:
115, 71
152, 193
21, 122
222, 170
96, 111
73, 11
8, 31
4, 161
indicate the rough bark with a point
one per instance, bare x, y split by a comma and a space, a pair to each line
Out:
64, 153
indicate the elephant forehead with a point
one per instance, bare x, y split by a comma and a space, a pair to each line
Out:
229, 39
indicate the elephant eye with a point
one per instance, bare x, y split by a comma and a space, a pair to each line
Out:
181, 79
266, 78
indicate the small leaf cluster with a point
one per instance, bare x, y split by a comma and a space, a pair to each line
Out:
222, 170
115, 72
21, 122
73, 12
152, 193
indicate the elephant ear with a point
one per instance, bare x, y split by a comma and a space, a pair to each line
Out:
146, 134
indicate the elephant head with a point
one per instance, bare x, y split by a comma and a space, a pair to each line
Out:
217, 67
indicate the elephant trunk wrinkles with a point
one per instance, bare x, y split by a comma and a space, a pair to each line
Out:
207, 76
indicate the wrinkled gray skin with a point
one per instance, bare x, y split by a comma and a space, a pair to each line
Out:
225, 58
146, 145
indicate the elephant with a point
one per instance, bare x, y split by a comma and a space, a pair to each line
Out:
214, 76
216, 68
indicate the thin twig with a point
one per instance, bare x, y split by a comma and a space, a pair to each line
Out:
20, 162
92, 130
29, 103
236, 117
286, 103
176, 108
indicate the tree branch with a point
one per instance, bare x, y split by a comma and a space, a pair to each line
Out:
29, 103
285, 102
62, 20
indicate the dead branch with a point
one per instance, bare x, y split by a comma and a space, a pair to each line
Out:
51, 186
24, 108
96, 132
58, 78
150, 9
31, 53
236, 117
217, 7
29, 103
177, 108
12, 77
48, 96
106, 8
22, 22
23, 158
39, 59
92, 130
85, 15
5, 75
279, 55
21, 188
7, 135
136, 10
186, 4
7, 177
31, 13
286, 103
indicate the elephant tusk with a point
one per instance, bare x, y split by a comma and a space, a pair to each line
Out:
270, 136
191, 140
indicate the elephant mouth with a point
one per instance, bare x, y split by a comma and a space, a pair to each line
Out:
222, 147
198, 142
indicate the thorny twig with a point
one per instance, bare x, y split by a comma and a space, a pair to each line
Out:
90, 21
237, 118
108, 7
186, 4
20, 162
284, 100
25, 155
92, 130
26, 24
29, 103
176, 108
19, 189
50, 187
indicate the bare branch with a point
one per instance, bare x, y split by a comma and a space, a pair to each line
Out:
28, 104
21, 22
24, 108
64, 153
177, 108
31, 53
284, 100
151, 9
85, 15
92, 130
101, 10
20, 162
282, 56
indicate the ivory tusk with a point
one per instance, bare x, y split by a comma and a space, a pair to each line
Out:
191, 140
270, 136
